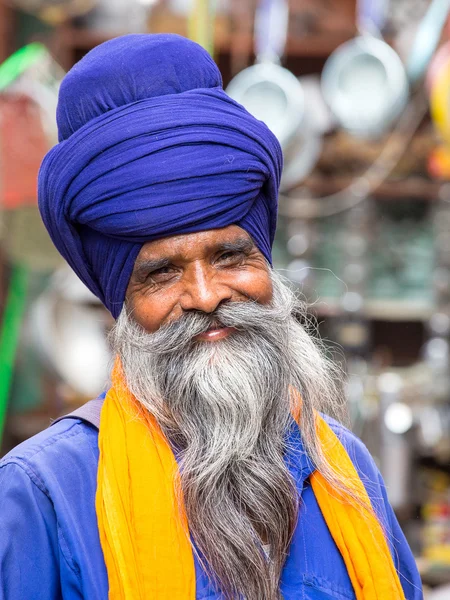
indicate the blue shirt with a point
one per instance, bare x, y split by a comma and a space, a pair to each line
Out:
49, 540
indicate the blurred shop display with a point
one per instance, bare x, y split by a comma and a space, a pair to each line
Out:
68, 326
58, 357
268, 90
314, 29
62, 355
437, 86
405, 14
364, 81
185, 7
31, 72
426, 39
116, 17
436, 515
28, 94
357, 92
274, 95
54, 11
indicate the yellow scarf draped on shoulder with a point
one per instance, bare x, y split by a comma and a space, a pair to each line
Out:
144, 532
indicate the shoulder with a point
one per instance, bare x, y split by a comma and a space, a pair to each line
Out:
364, 464
376, 489
345, 435
60, 452
356, 449
368, 472
48, 528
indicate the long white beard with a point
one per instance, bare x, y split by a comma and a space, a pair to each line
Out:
225, 407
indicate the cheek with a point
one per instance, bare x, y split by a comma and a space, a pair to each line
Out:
152, 311
257, 286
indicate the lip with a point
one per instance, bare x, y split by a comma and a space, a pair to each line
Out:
217, 333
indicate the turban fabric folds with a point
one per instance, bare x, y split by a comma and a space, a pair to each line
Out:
151, 146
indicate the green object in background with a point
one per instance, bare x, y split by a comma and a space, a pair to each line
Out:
10, 333
28, 390
24, 255
19, 62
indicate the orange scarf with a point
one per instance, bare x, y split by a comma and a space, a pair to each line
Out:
145, 539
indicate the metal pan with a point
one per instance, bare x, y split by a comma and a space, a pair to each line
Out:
365, 85
272, 94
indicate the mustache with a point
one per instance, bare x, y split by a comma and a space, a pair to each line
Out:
244, 316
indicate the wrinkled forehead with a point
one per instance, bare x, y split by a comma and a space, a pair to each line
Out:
197, 245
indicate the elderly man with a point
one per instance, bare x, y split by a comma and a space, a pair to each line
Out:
214, 472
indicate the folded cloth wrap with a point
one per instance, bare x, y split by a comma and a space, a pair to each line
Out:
145, 535
151, 146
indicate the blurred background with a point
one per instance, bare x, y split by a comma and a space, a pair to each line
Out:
358, 94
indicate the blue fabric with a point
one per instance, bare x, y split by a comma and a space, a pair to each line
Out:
151, 146
49, 542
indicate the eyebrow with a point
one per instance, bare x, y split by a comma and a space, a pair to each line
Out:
146, 266
239, 245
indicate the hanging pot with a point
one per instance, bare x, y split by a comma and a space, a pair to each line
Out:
302, 154
275, 96
267, 90
365, 85
364, 81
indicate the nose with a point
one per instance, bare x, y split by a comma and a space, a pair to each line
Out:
203, 290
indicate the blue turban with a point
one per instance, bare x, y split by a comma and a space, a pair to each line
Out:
151, 146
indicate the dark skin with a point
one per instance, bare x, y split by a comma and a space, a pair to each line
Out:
196, 271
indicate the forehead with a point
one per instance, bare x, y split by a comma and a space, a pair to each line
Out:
191, 245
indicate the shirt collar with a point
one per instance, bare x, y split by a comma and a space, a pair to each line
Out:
296, 458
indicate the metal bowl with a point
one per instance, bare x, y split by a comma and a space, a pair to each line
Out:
365, 85
272, 94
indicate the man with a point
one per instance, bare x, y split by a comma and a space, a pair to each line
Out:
213, 474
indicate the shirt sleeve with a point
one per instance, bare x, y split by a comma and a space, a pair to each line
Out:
29, 554
401, 553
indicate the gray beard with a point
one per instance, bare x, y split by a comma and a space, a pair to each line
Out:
225, 407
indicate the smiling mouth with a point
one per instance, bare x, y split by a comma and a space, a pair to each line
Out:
215, 333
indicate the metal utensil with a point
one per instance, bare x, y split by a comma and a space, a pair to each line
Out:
427, 39
268, 90
364, 81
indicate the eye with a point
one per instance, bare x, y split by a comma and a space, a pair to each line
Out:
231, 256
160, 275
